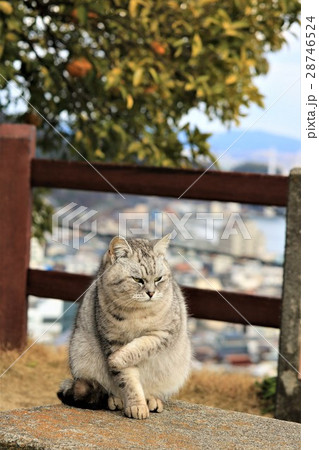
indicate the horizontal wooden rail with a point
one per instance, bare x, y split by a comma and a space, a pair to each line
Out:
203, 304
250, 188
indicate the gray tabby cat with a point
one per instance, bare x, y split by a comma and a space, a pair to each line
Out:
129, 348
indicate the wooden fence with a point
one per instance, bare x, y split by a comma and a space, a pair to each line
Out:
21, 171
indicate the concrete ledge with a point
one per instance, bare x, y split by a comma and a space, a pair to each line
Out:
180, 426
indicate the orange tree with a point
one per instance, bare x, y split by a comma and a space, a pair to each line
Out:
117, 76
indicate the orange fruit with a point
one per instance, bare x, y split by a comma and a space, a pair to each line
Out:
75, 15
158, 48
150, 89
92, 15
79, 68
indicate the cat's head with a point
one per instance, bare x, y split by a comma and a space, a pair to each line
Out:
137, 270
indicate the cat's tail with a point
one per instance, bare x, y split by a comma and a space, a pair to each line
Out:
83, 394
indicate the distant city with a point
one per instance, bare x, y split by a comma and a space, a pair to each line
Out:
236, 264
250, 150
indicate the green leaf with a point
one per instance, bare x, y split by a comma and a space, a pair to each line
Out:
129, 101
197, 45
82, 14
154, 74
137, 77
133, 4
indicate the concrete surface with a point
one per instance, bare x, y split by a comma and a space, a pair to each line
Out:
180, 426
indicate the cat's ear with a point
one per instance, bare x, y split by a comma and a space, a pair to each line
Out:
119, 248
161, 246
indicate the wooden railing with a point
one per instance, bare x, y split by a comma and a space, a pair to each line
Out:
251, 188
21, 171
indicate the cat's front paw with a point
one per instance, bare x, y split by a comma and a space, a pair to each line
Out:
139, 411
116, 361
155, 404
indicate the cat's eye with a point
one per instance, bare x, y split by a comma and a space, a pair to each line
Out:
158, 279
138, 280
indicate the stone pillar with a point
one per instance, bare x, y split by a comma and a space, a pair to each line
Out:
288, 396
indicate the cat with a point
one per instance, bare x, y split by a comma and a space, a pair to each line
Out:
130, 348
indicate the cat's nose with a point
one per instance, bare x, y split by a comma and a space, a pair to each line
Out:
150, 293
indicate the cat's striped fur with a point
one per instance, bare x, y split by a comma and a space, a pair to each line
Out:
130, 348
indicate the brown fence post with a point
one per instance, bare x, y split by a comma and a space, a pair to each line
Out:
288, 395
17, 148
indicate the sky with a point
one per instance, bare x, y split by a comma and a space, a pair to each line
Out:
283, 117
